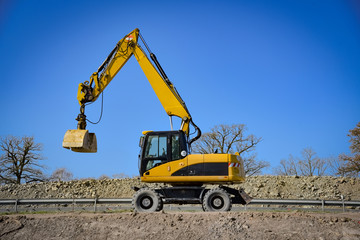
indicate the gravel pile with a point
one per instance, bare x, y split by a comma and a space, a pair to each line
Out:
273, 187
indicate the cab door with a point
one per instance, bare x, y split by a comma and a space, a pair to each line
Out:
178, 164
155, 152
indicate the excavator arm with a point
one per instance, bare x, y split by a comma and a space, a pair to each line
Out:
80, 140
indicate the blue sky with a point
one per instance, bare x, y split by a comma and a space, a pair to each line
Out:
289, 70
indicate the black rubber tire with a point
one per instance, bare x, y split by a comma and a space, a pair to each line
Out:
147, 200
216, 200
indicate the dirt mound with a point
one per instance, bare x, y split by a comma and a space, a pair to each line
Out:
280, 187
232, 225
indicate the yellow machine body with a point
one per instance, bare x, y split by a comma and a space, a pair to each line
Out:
198, 169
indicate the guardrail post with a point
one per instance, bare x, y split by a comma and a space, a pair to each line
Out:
16, 205
95, 204
343, 203
322, 204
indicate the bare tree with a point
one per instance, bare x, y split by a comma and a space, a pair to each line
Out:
19, 161
350, 166
309, 165
231, 139
104, 177
120, 175
226, 139
351, 163
252, 166
288, 167
62, 174
334, 164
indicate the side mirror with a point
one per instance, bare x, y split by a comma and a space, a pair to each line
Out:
141, 141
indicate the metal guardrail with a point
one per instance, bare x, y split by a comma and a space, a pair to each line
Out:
95, 201
322, 203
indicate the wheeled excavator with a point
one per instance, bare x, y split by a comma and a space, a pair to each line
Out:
165, 156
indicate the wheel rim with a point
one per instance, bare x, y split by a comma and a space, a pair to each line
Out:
146, 202
217, 202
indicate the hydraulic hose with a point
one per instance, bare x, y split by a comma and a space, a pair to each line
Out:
198, 135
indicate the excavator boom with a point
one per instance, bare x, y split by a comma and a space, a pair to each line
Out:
81, 140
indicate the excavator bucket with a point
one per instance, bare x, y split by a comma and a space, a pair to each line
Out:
80, 141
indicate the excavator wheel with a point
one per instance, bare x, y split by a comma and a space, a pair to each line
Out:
216, 200
147, 200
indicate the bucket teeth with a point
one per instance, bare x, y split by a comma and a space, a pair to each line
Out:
80, 141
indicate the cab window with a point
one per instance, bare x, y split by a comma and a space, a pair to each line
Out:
175, 147
156, 147
155, 151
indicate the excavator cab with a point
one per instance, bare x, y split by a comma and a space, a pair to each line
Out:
158, 148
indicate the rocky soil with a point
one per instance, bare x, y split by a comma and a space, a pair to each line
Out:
274, 187
175, 225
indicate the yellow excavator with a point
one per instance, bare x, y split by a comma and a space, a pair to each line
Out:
165, 156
